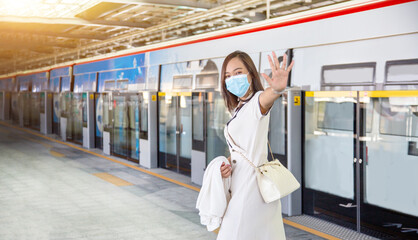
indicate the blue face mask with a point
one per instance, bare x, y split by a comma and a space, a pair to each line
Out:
237, 85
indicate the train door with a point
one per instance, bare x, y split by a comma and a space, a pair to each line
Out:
35, 101
388, 162
25, 106
175, 131
107, 121
4, 105
329, 162
77, 103
72, 117
65, 115
15, 108
56, 114
125, 135
98, 113
209, 118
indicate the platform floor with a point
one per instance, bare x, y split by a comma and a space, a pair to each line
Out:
49, 190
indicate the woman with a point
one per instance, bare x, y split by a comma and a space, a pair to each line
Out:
247, 215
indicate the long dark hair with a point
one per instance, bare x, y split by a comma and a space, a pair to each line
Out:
230, 99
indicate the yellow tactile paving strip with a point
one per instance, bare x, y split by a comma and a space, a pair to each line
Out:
310, 230
112, 179
56, 154
290, 223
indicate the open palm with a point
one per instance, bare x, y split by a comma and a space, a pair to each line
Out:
280, 74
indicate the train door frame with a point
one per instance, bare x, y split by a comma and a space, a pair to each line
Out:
148, 135
98, 123
321, 203
128, 136
179, 129
356, 212
56, 125
5, 108
46, 108
88, 120
371, 214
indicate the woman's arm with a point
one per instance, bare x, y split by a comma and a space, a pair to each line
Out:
277, 82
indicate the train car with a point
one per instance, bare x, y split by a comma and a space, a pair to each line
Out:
121, 100
355, 80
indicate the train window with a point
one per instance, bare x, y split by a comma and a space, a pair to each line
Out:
402, 71
398, 116
216, 117
348, 74
182, 81
335, 115
198, 121
207, 81
339, 115
109, 85
122, 84
65, 84
152, 77
208, 76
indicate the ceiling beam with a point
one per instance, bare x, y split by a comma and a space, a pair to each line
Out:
56, 34
4, 41
27, 47
171, 3
72, 21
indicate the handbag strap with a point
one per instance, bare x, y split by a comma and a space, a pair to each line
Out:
251, 163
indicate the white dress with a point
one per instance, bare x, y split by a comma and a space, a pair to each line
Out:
248, 217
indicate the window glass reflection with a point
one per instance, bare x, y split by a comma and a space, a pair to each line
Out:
277, 127
217, 116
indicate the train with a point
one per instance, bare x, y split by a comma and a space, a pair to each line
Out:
356, 83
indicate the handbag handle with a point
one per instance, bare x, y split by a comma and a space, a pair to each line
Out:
252, 164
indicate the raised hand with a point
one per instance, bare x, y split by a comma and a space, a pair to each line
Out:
280, 74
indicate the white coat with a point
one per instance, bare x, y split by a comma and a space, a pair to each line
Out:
248, 217
214, 195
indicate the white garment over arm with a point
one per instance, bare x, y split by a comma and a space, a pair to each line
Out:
214, 195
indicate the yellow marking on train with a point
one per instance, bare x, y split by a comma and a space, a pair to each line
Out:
331, 94
56, 154
372, 94
105, 157
385, 94
310, 230
186, 94
297, 100
112, 179
161, 94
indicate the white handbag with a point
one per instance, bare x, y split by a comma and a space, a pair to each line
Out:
274, 180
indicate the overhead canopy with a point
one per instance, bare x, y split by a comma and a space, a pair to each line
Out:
38, 33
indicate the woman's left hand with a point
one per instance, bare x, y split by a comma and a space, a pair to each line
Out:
280, 74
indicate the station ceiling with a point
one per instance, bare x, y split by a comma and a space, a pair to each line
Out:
39, 33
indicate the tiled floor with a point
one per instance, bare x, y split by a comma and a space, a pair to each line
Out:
49, 191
